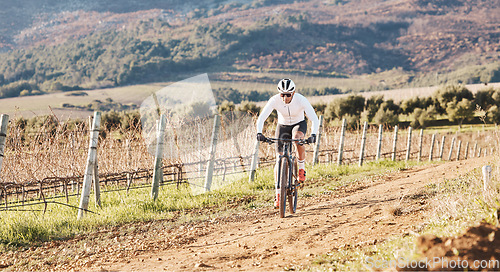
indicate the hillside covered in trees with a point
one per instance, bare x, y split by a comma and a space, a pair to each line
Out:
71, 45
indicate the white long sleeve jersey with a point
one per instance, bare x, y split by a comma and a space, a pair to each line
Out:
289, 114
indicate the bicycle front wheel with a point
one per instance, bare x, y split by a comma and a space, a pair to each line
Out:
293, 192
283, 182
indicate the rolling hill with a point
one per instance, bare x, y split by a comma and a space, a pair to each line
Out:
70, 45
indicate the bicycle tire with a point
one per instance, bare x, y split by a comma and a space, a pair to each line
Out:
283, 179
293, 197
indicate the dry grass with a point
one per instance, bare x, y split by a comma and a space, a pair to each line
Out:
61, 150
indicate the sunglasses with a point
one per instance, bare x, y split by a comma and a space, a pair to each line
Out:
286, 94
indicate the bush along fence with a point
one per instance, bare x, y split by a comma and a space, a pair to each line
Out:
31, 175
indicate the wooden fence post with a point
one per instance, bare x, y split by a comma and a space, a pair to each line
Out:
451, 148
458, 149
475, 150
158, 170
200, 149
97, 188
432, 146
363, 143
95, 176
341, 142
395, 143
129, 163
211, 161
486, 176
408, 145
441, 149
4, 121
254, 163
420, 143
91, 161
379, 145
318, 141
466, 151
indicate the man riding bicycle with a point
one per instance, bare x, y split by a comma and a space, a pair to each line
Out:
291, 107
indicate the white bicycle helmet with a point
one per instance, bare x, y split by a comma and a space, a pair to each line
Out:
286, 85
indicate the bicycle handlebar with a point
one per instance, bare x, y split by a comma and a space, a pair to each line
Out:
274, 140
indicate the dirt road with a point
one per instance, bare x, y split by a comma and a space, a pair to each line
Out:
363, 213
370, 212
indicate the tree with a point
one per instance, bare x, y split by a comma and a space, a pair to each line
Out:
386, 117
460, 111
226, 106
496, 97
319, 108
409, 105
131, 120
197, 109
391, 106
484, 99
249, 107
329, 112
352, 105
352, 121
493, 115
450, 93
228, 94
373, 105
421, 117
111, 120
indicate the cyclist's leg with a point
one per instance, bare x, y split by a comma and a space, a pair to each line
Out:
301, 149
299, 132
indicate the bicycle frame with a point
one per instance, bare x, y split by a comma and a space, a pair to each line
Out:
289, 156
287, 175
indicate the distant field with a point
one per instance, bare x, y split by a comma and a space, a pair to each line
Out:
39, 105
261, 81
244, 81
400, 94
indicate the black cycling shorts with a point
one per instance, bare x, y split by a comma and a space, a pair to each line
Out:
286, 132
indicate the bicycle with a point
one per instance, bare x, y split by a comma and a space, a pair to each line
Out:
287, 174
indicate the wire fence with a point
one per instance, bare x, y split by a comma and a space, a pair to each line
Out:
47, 165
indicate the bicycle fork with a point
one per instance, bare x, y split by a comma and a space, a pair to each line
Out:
284, 159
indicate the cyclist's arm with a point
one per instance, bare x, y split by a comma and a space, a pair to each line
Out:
311, 115
266, 111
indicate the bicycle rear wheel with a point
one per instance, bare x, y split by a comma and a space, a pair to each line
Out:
293, 192
283, 181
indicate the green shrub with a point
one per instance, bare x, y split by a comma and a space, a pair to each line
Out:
249, 107
386, 117
450, 93
351, 106
460, 111
226, 106
493, 115
420, 118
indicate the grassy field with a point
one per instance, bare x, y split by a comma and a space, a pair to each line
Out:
118, 208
